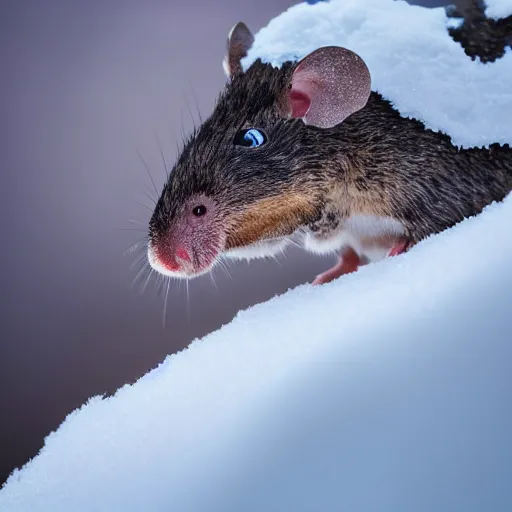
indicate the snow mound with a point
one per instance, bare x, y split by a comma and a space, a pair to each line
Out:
386, 390
498, 9
412, 59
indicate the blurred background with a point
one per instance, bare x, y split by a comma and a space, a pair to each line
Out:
84, 85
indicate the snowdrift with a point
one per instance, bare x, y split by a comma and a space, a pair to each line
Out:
386, 390
498, 9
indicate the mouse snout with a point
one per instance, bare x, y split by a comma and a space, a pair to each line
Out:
191, 242
183, 255
170, 257
174, 261
183, 252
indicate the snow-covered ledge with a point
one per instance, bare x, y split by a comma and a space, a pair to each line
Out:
387, 390
497, 9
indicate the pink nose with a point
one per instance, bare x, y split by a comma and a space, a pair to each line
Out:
183, 254
169, 264
170, 259
167, 259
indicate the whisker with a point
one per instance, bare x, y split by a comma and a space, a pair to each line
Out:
161, 283
144, 205
213, 279
183, 134
148, 195
179, 286
165, 300
195, 101
295, 243
162, 155
147, 169
147, 280
188, 301
141, 260
135, 246
276, 259
135, 221
223, 264
185, 97
139, 273
175, 139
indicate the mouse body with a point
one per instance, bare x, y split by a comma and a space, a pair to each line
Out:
308, 153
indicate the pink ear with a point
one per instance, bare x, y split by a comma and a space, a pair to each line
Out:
300, 103
240, 40
328, 85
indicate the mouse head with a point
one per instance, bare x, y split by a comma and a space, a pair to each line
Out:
252, 174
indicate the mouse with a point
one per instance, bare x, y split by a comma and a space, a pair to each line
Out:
307, 153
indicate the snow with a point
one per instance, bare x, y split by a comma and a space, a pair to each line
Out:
454, 22
412, 59
498, 8
388, 389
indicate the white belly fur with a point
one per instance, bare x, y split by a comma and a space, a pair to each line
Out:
370, 236
258, 250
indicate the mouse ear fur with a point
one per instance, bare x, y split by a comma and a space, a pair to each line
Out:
327, 86
240, 40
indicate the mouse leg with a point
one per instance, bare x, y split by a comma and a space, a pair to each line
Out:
349, 262
399, 247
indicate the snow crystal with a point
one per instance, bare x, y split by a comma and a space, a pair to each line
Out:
498, 8
412, 59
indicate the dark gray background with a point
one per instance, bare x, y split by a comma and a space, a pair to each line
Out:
82, 86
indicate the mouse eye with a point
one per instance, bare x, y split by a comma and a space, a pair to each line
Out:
251, 138
199, 211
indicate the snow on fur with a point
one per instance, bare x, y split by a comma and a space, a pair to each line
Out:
498, 8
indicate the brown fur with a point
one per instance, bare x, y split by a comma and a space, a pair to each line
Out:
268, 218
